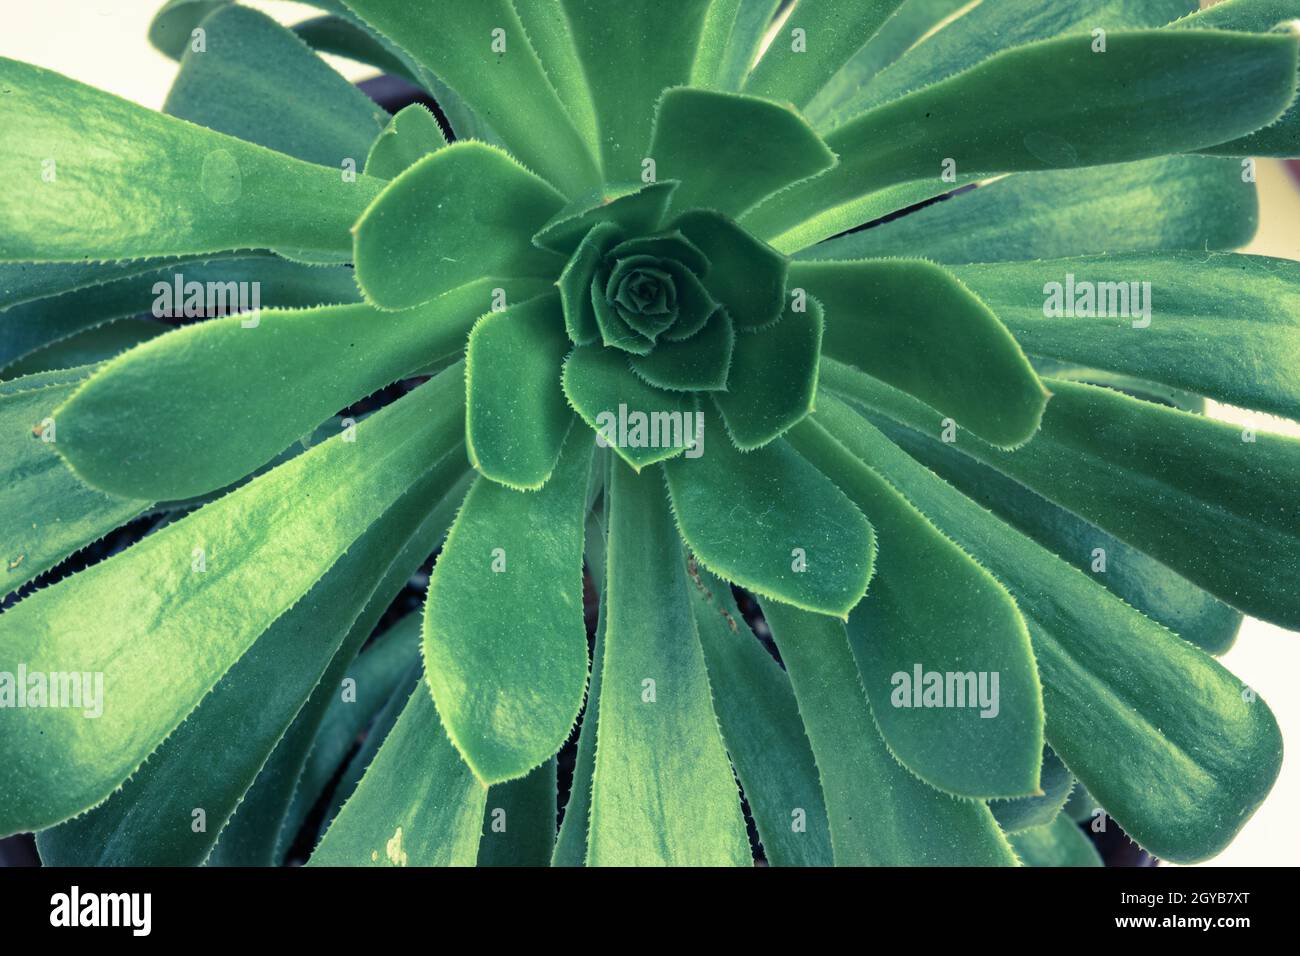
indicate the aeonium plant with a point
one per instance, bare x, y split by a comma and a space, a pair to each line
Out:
958, 458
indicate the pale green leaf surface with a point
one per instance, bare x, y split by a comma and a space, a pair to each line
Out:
407, 138
1059, 843
663, 793
506, 650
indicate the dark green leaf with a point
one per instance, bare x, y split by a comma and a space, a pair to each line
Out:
519, 825
746, 276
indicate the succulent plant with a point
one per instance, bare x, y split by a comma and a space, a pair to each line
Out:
894, 318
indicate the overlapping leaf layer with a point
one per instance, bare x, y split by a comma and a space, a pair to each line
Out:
646, 305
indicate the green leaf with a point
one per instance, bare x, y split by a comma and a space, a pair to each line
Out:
577, 296
910, 323
571, 843
699, 363
662, 792
341, 36
729, 151
305, 364
256, 80
34, 324
762, 731
1041, 809
1257, 16
817, 38
1173, 202
162, 187
773, 377
418, 804
171, 28
504, 640
1198, 752
516, 415
90, 346
1143, 583
636, 209
409, 136
1038, 107
1195, 494
377, 675
482, 52
458, 214
1223, 326
746, 276
223, 574
756, 518
548, 30
605, 393
880, 815
519, 825
629, 60
932, 610
733, 62
910, 25
986, 29
150, 821
47, 511
1059, 843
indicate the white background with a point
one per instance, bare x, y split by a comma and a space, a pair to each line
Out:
103, 43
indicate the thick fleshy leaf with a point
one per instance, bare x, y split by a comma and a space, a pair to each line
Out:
699, 363
880, 814
547, 28
932, 613
728, 68
817, 38
172, 27
1215, 503
456, 215
642, 423
636, 210
343, 37
630, 59
662, 792
571, 842
1173, 202
256, 80
773, 377
519, 822
306, 364
509, 685
372, 680
90, 346
986, 29
482, 51
1258, 16
27, 327
746, 276
516, 416
47, 511
911, 24
772, 523
113, 180
1036, 107
761, 728
409, 136
729, 151
418, 805
912, 324
1142, 582
1178, 750
1056, 782
223, 575
150, 821
1225, 326
357, 766
1059, 843
576, 296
